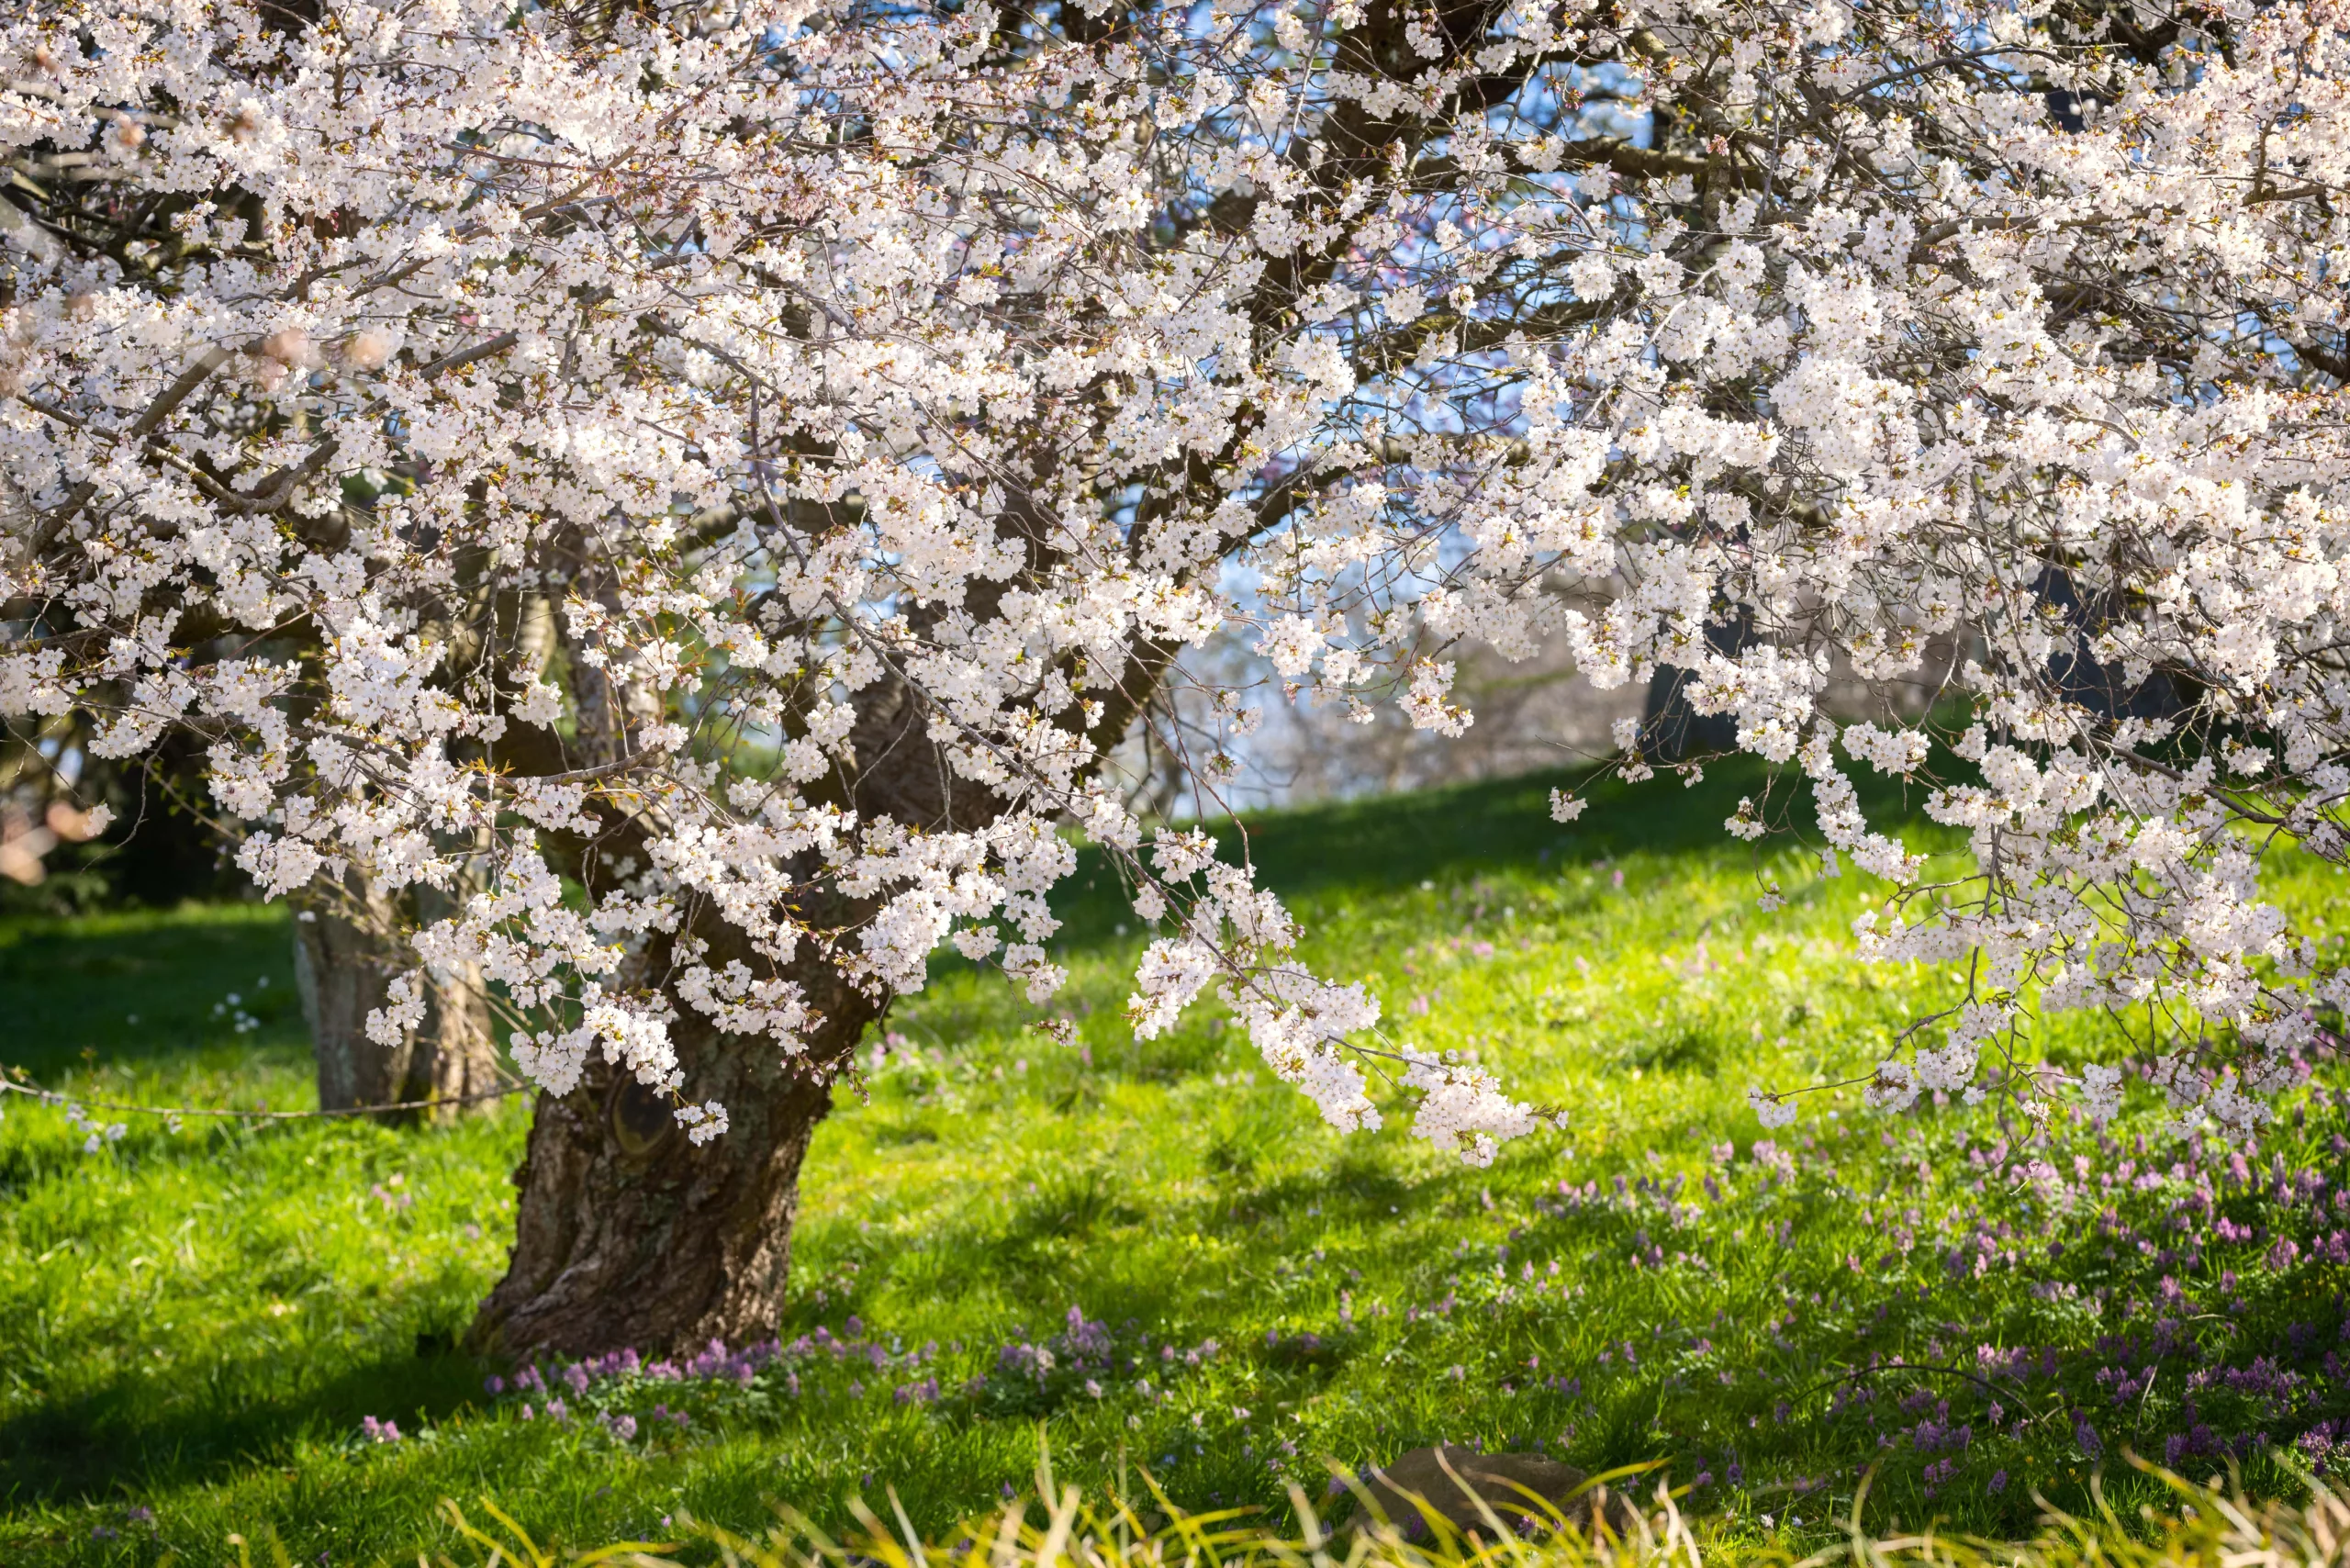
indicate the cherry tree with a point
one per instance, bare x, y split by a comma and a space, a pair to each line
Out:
678, 503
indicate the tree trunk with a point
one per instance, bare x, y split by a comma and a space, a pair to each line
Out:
2104, 689
628, 1235
346, 955
1671, 730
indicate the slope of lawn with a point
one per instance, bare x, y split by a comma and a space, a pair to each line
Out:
1153, 1257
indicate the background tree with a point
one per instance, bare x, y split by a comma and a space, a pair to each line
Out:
879, 398
350, 949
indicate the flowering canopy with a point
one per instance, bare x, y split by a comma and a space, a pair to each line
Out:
751, 460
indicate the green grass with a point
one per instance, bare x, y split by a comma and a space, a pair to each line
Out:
2192, 1526
194, 1323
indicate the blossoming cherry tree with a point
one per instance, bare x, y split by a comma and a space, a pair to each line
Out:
700, 489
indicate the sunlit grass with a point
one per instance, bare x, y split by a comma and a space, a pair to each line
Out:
197, 1322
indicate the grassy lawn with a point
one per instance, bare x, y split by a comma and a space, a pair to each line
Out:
196, 1324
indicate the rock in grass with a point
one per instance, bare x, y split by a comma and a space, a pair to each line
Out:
1453, 1479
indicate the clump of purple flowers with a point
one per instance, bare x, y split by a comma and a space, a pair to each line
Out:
1086, 1357
614, 1389
1030, 1376
2325, 1447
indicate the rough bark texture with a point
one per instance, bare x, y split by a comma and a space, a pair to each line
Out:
344, 961
628, 1234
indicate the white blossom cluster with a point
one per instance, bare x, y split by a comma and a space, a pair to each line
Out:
704, 488
96, 1133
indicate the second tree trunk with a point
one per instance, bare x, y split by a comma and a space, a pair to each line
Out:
347, 952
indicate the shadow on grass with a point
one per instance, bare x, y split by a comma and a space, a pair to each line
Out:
141, 986
118, 1437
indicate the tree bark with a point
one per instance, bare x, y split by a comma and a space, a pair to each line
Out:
346, 955
628, 1234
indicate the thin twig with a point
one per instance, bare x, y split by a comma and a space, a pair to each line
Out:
486, 348
54, 1097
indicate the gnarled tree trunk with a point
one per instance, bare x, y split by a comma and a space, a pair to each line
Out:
628, 1234
346, 955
